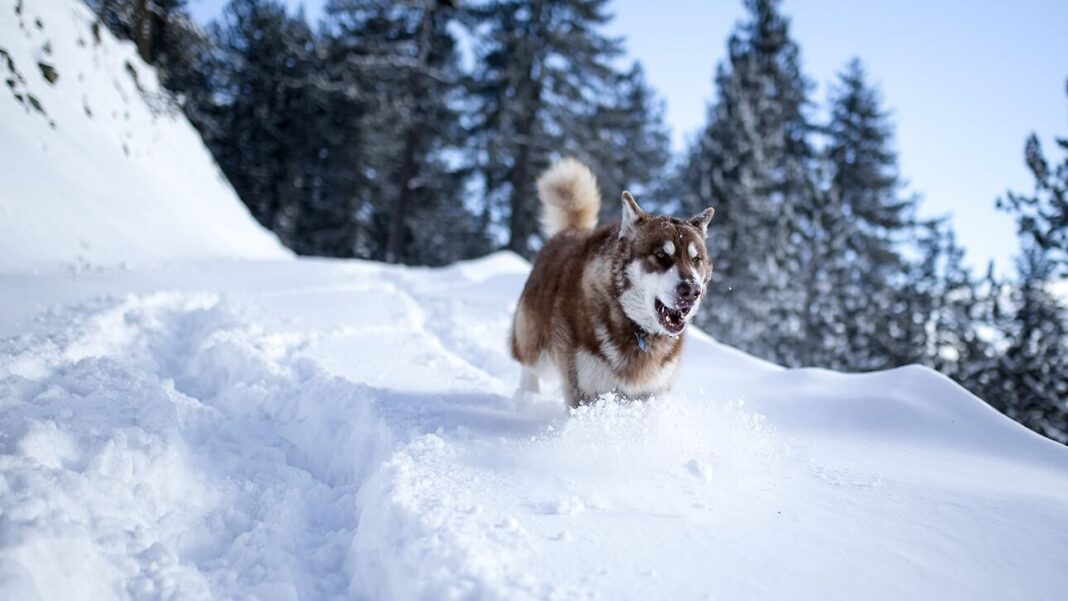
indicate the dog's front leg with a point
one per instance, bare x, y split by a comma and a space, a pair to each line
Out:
573, 392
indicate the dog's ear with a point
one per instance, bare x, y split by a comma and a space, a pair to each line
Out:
700, 220
631, 213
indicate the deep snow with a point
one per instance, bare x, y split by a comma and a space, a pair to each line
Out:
326, 429
175, 424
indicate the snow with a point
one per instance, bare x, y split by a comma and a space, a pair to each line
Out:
217, 420
107, 165
328, 429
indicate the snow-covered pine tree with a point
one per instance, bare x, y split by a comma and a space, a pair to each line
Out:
953, 313
404, 57
262, 57
1043, 216
1031, 385
859, 274
625, 142
755, 164
546, 84
335, 217
1028, 378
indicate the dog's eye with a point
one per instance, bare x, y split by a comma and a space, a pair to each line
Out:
660, 254
697, 259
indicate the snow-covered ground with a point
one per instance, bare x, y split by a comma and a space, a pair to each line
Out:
326, 429
189, 413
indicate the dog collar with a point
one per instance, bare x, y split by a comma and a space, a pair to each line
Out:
642, 344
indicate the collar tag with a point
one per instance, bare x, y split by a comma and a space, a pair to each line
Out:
642, 344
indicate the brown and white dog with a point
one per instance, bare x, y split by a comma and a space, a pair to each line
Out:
607, 307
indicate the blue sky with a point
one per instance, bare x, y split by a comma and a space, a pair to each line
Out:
966, 83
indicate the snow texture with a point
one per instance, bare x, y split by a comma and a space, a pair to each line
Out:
100, 161
267, 428
329, 429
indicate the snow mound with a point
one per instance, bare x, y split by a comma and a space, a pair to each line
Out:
97, 167
341, 429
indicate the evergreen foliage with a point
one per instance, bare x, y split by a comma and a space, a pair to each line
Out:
1030, 375
857, 236
403, 60
546, 85
754, 163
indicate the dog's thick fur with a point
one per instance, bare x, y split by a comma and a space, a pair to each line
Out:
607, 307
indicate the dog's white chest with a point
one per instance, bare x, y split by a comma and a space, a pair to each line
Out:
595, 377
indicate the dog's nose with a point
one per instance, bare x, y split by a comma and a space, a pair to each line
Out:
688, 292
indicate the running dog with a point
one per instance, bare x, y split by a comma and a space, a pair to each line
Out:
607, 307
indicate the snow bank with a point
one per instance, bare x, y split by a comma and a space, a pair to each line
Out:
96, 167
330, 429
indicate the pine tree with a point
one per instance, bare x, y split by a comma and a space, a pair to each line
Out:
404, 58
1031, 383
948, 325
263, 56
1028, 379
859, 275
754, 163
334, 217
625, 141
545, 84
1043, 217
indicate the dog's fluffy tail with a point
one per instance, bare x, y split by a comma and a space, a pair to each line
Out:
569, 197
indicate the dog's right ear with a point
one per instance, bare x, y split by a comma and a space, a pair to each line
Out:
631, 214
701, 220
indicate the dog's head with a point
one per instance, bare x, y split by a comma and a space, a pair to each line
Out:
665, 267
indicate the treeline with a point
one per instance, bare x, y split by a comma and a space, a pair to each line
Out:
412, 132
822, 259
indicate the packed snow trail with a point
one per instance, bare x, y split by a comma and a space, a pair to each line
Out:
327, 429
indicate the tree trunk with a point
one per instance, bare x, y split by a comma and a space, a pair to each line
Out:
410, 159
519, 222
144, 31
490, 185
395, 241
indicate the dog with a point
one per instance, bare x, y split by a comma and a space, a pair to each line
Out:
607, 307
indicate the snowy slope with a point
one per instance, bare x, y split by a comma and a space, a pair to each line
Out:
96, 169
329, 429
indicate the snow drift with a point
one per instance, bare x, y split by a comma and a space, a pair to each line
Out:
252, 428
329, 429
97, 167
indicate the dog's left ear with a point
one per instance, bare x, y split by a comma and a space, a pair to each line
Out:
701, 220
631, 213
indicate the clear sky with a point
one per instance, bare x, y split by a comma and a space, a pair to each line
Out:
966, 82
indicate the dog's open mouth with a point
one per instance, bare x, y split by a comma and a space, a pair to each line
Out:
672, 320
